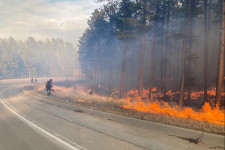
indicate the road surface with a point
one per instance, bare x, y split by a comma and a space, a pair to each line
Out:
32, 123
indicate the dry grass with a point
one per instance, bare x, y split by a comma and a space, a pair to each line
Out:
78, 96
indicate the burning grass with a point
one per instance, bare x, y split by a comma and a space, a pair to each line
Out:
207, 113
206, 119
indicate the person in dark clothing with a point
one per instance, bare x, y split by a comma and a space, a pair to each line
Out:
48, 86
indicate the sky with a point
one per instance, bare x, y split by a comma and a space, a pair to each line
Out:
41, 19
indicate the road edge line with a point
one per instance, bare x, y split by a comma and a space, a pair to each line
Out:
31, 124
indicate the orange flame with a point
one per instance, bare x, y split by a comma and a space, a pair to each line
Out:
133, 101
212, 115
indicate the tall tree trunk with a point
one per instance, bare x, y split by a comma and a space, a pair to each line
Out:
152, 63
184, 55
122, 81
205, 50
166, 51
161, 60
142, 65
183, 73
220, 70
189, 66
193, 2
143, 49
161, 50
132, 74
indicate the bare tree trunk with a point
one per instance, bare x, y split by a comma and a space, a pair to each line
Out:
133, 71
220, 70
166, 51
184, 55
189, 69
190, 48
143, 50
183, 73
122, 82
142, 66
152, 64
161, 62
205, 50
161, 53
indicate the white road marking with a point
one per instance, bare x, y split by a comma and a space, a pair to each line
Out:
68, 145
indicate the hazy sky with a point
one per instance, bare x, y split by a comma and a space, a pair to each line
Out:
66, 19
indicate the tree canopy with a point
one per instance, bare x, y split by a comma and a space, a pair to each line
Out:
54, 57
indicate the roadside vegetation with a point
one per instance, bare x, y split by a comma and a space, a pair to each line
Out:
76, 94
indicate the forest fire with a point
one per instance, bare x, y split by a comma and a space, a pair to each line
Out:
207, 113
157, 105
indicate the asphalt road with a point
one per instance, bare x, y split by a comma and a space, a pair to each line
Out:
30, 123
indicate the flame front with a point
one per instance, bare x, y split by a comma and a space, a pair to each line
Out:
135, 102
207, 113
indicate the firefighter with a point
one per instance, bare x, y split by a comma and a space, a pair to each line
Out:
48, 86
